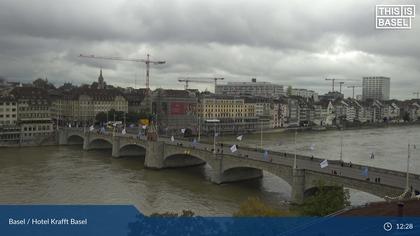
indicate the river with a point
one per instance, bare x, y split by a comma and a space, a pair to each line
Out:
69, 175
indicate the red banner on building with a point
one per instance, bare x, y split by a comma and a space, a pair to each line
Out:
178, 108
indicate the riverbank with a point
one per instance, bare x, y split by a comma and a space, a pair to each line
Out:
50, 140
359, 127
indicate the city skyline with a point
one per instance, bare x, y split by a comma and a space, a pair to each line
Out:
297, 44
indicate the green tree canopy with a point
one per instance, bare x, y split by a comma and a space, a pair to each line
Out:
101, 117
253, 206
326, 200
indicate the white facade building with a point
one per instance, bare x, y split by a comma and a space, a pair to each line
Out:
305, 93
8, 111
253, 88
376, 87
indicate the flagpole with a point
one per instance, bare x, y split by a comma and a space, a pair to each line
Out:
294, 160
214, 139
261, 137
408, 164
341, 145
199, 128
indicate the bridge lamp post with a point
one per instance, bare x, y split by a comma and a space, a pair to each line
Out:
214, 121
341, 145
199, 127
407, 187
261, 131
294, 159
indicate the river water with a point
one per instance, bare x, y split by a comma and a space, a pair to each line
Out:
69, 175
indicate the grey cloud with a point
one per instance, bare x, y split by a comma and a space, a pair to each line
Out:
297, 43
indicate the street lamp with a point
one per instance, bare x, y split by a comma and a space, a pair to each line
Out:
341, 145
261, 131
214, 121
408, 165
294, 160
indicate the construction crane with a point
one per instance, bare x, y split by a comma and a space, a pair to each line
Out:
417, 93
199, 80
354, 86
341, 84
146, 61
333, 83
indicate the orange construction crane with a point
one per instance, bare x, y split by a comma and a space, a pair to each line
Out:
199, 80
146, 61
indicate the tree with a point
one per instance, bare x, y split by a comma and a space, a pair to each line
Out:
406, 117
289, 90
253, 206
326, 200
133, 117
101, 117
44, 84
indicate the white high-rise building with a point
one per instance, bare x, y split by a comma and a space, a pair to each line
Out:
376, 87
253, 88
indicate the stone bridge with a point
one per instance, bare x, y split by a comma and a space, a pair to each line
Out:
244, 164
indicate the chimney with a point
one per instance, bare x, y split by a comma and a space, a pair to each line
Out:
254, 80
400, 209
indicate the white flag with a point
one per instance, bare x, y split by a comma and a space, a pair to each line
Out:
91, 128
172, 139
312, 147
265, 154
183, 131
239, 137
233, 148
324, 164
144, 127
123, 131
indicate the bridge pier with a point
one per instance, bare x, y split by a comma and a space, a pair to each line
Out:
298, 185
62, 137
86, 141
115, 146
154, 155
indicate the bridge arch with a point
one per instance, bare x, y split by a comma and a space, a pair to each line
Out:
185, 159
75, 139
131, 149
365, 186
246, 172
99, 143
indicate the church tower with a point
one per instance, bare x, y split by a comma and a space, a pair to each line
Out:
101, 83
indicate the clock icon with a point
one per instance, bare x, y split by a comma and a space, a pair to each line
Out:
387, 226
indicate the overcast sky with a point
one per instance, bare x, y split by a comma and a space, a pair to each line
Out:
297, 43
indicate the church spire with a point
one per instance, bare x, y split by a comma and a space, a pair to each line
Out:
101, 83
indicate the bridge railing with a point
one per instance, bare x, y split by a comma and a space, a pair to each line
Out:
281, 154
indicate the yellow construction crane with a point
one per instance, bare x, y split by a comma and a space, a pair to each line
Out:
187, 80
147, 61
